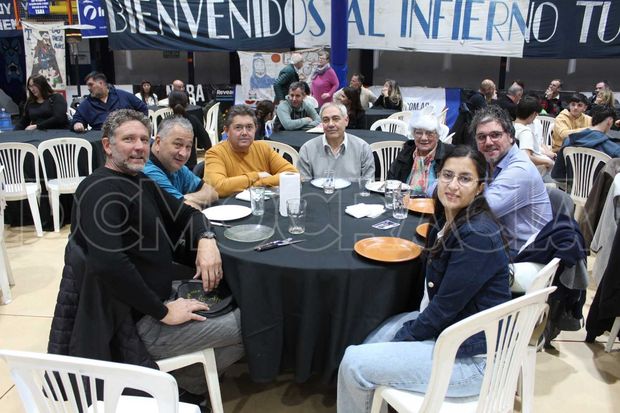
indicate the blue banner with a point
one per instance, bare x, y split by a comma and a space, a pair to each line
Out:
38, 7
92, 12
8, 26
199, 25
573, 29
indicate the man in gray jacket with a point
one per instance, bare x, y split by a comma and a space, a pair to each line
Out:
295, 113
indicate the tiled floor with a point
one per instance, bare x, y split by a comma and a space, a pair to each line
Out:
575, 378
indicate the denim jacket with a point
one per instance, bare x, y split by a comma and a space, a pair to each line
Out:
470, 275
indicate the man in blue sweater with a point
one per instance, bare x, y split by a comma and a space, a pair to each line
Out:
594, 137
103, 100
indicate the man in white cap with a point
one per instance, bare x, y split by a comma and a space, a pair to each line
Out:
420, 159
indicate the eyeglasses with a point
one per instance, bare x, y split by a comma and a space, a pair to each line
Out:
494, 136
418, 133
447, 177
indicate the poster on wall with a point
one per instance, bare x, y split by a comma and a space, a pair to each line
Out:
44, 45
260, 69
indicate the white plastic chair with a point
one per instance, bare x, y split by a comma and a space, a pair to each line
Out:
543, 279
152, 119
508, 328
6, 275
158, 116
284, 149
70, 113
391, 125
585, 162
12, 157
65, 153
39, 379
405, 116
312, 101
210, 121
547, 123
386, 151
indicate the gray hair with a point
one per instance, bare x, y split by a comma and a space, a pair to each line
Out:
492, 113
121, 116
514, 90
324, 53
339, 106
240, 110
296, 58
168, 124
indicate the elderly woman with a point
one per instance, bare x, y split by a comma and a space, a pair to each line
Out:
419, 161
324, 80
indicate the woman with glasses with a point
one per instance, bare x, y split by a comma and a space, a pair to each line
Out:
418, 163
44, 108
466, 264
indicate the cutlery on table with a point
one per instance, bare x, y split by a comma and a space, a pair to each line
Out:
219, 224
276, 244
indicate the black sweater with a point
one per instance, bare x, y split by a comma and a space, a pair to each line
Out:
50, 114
128, 227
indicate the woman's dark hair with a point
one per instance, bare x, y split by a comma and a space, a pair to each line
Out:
143, 94
354, 105
41, 83
178, 101
478, 206
264, 108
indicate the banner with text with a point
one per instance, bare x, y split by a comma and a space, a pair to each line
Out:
92, 13
8, 25
260, 69
199, 25
44, 45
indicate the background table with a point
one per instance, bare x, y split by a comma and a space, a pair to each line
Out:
303, 304
18, 212
374, 114
297, 138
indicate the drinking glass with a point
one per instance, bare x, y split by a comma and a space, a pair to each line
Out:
390, 186
400, 199
329, 184
363, 181
257, 200
296, 210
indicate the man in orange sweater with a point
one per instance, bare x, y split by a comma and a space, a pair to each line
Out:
239, 162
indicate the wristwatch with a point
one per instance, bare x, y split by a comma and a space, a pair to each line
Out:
207, 235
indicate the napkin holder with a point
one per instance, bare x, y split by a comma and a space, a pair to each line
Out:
290, 188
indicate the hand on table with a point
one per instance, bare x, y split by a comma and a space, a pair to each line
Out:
182, 310
208, 264
78, 127
325, 96
31, 127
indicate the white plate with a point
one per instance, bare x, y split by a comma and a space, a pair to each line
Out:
378, 186
339, 183
227, 212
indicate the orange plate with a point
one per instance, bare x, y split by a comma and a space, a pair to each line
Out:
387, 249
423, 229
422, 205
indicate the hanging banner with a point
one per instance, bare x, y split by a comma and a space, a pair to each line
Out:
260, 69
38, 7
44, 45
91, 12
199, 25
8, 25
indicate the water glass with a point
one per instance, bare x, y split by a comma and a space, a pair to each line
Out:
363, 181
329, 184
257, 200
390, 186
296, 210
400, 199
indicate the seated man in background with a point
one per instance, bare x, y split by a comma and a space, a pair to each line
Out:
516, 192
240, 162
485, 95
527, 111
103, 100
287, 76
418, 163
594, 137
295, 112
552, 104
366, 95
348, 156
510, 100
166, 165
571, 120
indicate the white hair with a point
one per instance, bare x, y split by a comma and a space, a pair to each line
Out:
296, 58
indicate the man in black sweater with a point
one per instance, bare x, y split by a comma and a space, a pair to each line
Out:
128, 228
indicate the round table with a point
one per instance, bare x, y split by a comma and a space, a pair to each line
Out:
193, 110
297, 138
303, 304
376, 113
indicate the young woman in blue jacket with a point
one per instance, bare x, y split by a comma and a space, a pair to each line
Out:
466, 272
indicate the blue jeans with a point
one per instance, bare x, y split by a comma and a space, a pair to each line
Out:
404, 365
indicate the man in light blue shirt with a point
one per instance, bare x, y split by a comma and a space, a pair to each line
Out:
516, 192
348, 156
166, 165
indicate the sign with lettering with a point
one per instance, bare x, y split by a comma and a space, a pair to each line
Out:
92, 13
8, 25
38, 7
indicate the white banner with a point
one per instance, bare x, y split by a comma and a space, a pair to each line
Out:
44, 45
481, 27
260, 69
417, 98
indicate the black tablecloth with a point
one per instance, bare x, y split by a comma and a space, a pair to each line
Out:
303, 304
193, 110
298, 137
374, 114
18, 212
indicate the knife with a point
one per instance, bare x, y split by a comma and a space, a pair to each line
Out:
219, 224
277, 244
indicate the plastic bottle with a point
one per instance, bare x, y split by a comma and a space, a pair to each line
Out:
5, 121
